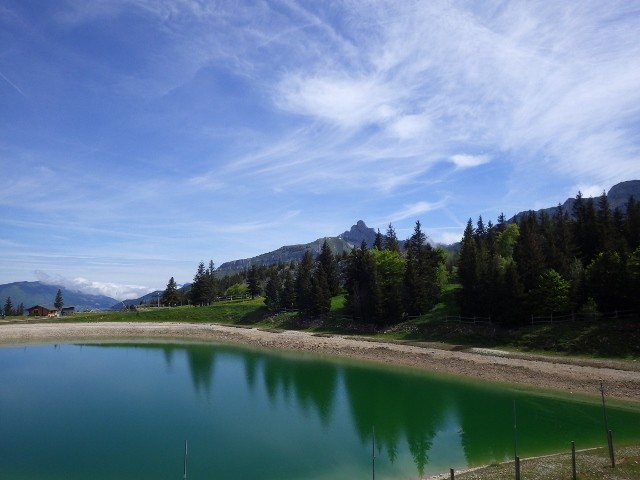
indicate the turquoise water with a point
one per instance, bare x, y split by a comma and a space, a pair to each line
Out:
119, 412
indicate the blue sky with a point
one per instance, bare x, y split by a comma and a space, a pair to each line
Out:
139, 137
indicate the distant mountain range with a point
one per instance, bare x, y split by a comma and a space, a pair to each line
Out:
344, 242
617, 196
34, 293
38, 293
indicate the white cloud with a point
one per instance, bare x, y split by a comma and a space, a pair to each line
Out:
415, 209
409, 126
79, 284
448, 238
588, 190
469, 161
341, 99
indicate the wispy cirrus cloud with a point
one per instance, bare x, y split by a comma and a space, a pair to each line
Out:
202, 123
416, 210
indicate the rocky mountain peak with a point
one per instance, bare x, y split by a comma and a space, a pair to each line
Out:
358, 233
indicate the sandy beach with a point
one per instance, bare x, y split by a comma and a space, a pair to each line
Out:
567, 375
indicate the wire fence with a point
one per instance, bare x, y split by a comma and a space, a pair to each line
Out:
585, 316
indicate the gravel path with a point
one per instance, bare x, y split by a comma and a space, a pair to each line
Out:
621, 379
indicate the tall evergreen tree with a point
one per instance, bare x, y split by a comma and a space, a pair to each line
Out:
328, 266
304, 298
363, 298
287, 294
210, 284
632, 230
528, 254
391, 240
390, 268
198, 292
253, 281
422, 273
468, 269
59, 301
170, 296
272, 292
607, 281
8, 307
320, 294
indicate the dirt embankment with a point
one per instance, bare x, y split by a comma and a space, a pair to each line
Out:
621, 379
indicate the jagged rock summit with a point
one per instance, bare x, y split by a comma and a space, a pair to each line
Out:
344, 242
358, 233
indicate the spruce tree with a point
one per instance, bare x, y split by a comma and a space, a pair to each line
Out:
377, 243
58, 302
320, 294
468, 269
198, 291
8, 307
253, 281
304, 300
363, 298
272, 292
170, 296
391, 240
328, 265
390, 268
287, 294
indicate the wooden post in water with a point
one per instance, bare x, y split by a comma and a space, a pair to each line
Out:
606, 427
517, 468
453, 475
611, 453
373, 452
573, 459
515, 431
185, 460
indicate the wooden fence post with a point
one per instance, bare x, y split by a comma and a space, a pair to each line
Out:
517, 468
453, 475
611, 453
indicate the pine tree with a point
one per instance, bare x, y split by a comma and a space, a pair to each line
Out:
58, 302
272, 292
304, 300
328, 265
198, 291
632, 227
391, 240
253, 281
468, 269
287, 294
377, 243
210, 284
363, 298
390, 267
170, 296
423, 274
320, 294
8, 307
528, 254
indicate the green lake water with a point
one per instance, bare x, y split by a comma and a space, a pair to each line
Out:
124, 412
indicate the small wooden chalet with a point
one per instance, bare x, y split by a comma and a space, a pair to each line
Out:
64, 311
40, 311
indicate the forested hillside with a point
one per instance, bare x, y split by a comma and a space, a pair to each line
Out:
582, 261
586, 259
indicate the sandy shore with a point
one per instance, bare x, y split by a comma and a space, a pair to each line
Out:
621, 379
